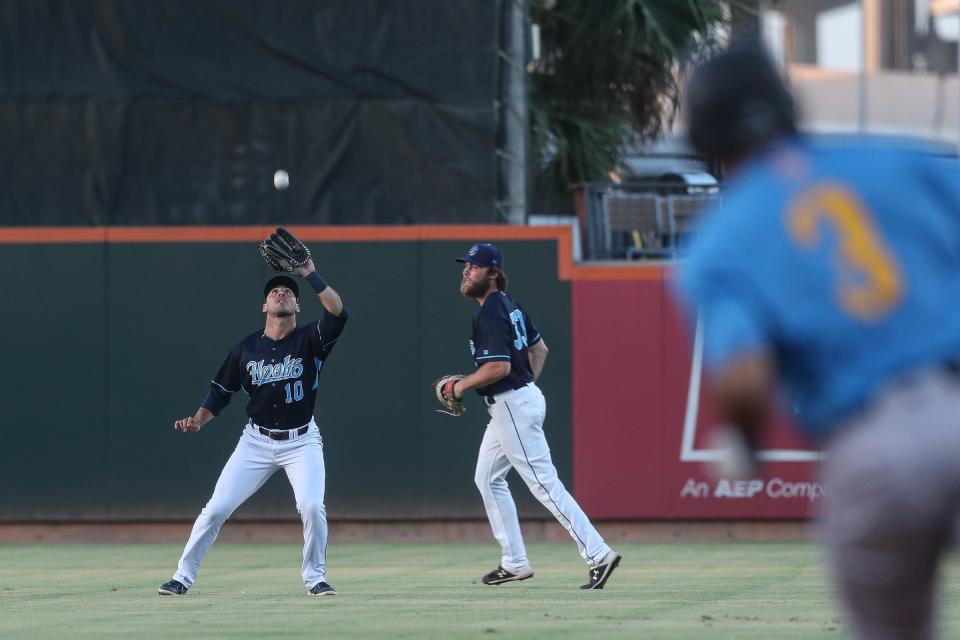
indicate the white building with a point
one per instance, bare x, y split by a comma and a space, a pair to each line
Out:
874, 66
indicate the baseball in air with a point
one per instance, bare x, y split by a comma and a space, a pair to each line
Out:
281, 180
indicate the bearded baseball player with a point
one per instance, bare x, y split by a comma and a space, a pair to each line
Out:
509, 354
279, 369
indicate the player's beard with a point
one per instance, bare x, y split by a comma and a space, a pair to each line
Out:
471, 289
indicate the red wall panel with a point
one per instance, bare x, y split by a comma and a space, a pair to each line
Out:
640, 422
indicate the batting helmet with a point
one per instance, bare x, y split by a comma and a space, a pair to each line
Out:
737, 102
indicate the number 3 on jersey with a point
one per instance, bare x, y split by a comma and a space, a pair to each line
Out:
870, 281
297, 392
519, 329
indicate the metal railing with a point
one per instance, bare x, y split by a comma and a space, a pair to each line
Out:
623, 224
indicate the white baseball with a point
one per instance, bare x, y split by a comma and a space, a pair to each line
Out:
281, 180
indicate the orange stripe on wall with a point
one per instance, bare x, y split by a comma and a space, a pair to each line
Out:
187, 234
563, 235
619, 271
477, 233
52, 235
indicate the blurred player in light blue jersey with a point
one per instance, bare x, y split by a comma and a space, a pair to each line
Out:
833, 275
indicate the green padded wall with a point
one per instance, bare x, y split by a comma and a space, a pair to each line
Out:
113, 342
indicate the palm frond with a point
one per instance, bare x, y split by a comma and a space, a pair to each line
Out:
608, 73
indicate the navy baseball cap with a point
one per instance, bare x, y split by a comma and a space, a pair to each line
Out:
281, 281
483, 255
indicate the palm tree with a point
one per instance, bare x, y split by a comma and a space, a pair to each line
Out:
608, 72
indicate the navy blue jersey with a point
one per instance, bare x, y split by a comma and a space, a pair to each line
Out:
280, 376
502, 331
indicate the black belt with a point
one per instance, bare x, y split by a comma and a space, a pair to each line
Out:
284, 434
491, 399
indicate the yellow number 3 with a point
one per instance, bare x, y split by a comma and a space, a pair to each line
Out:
870, 283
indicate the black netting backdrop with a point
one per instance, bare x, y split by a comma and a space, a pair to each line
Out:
143, 112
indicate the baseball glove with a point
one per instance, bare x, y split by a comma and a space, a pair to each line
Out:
443, 387
283, 252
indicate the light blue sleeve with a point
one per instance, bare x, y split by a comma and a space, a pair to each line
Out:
718, 282
730, 331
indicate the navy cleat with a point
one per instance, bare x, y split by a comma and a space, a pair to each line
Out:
598, 575
322, 589
501, 575
172, 588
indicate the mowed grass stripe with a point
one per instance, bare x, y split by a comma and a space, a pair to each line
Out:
724, 590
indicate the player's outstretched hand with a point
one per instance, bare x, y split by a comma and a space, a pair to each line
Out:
188, 424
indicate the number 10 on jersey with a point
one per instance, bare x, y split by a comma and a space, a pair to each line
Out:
294, 394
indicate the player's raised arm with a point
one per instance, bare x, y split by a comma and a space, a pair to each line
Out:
327, 296
283, 252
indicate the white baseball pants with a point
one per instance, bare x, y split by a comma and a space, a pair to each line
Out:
255, 459
514, 438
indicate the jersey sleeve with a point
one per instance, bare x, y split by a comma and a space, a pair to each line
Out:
328, 330
730, 330
727, 308
490, 338
227, 382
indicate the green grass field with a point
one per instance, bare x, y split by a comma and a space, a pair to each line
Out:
725, 590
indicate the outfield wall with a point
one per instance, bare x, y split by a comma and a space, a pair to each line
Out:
642, 414
117, 332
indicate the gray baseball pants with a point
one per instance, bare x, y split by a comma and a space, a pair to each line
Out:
893, 474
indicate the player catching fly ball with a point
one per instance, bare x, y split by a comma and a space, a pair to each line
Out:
279, 368
509, 354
